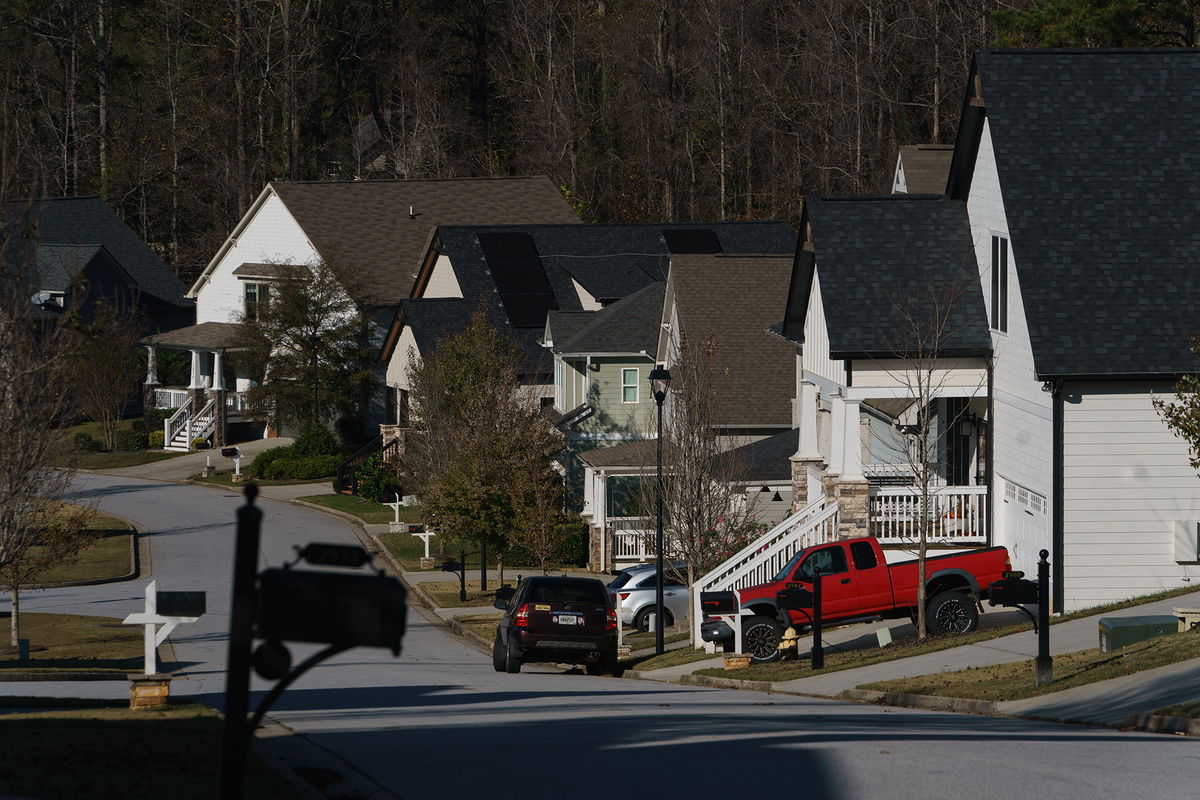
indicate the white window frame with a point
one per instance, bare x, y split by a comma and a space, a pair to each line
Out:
636, 385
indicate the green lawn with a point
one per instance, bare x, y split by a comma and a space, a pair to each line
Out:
1190, 710
73, 642
482, 625
108, 558
67, 457
673, 658
225, 478
366, 510
118, 752
445, 595
1015, 680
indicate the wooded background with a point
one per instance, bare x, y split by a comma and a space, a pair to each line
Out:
177, 112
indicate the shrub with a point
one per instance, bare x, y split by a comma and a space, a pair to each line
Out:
154, 440
375, 479
317, 440
305, 468
263, 460
130, 441
86, 444
200, 443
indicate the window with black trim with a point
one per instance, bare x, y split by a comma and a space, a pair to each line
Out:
1000, 284
256, 296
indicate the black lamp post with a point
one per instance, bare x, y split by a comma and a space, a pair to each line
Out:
660, 379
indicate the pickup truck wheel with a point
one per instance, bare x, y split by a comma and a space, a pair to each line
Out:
951, 612
760, 639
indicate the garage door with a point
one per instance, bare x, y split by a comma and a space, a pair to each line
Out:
1024, 526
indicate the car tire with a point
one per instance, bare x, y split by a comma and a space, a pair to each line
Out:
760, 639
497, 654
642, 620
607, 667
595, 668
951, 613
512, 658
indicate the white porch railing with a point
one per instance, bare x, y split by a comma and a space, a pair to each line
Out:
958, 514
170, 397
235, 402
177, 423
632, 538
761, 560
184, 427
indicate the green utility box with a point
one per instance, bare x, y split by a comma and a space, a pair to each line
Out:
1118, 632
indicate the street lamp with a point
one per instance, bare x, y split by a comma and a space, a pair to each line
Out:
660, 379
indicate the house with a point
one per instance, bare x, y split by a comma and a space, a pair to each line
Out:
1070, 202
379, 229
83, 253
922, 168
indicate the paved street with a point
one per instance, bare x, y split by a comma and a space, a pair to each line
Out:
439, 723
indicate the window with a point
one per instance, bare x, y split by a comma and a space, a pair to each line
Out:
999, 284
629, 385
831, 560
863, 555
256, 294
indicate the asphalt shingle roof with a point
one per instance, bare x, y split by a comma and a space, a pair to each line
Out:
367, 225
877, 257
734, 300
1098, 153
434, 318
926, 167
629, 325
766, 460
88, 220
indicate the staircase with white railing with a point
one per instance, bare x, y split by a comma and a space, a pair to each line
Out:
761, 560
184, 427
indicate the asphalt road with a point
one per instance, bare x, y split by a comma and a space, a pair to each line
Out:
439, 722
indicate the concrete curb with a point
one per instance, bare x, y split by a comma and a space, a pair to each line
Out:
693, 679
925, 702
1157, 723
75, 675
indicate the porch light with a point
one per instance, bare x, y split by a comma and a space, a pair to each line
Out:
776, 498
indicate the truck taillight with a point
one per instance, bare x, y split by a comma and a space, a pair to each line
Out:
523, 616
610, 620
1008, 563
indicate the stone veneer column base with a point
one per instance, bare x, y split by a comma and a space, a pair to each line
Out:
853, 499
802, 469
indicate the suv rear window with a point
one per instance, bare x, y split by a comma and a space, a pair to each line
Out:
584, 592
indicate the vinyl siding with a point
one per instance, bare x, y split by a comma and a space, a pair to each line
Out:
397, 369
1127, 478
604, 394
816, 339
442, 283
272, 236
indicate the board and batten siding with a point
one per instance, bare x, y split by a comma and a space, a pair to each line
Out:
815, 351
1022, 422
1126, 480
271, 236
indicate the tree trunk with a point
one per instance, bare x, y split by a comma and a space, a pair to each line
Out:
16, 617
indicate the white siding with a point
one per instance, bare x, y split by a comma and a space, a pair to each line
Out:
957, 374
397, 369
1022, 422
442, 283
271, 236
586, 301
1127, 478
816, 339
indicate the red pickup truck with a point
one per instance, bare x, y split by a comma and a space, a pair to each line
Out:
857, 583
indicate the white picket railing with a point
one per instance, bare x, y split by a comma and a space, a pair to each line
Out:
632, 538
169, 397
184, 427
761, 560
957, 514
176, 423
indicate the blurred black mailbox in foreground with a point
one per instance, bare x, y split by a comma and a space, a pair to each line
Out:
717, 603
181, 604
794, 599
1013, 592
331, 608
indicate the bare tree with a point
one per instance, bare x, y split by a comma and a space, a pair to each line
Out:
104, 366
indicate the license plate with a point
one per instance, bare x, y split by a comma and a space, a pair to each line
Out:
568, 619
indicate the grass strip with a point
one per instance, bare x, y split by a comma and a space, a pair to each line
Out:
225, 478
120, 752
637, 641
482, 625
367, 511
445, 595
1189, 710
133, 458
75, 642
1015, 680
672, 658
107, 558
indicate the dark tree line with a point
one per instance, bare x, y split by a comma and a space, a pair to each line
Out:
178, 112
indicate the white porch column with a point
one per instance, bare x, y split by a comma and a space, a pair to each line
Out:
837, 436
151, 366
218, 379
852, 462
807, 422
197, 381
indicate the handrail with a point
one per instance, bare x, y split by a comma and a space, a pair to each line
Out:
345, 477
176, 421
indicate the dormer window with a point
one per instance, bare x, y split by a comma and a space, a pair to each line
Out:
999, 284
256, 296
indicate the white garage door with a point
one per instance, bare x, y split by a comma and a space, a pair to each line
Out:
1024, 526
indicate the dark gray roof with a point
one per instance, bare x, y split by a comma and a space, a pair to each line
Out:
877, 257
432, 319
638, 453
88, 221
366, 224
59, 264
1098, 153
926, 167
205, 336
629, 325
253, 270
767, 460
609, 261
734, 300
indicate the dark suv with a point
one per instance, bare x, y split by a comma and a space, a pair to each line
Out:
556, 620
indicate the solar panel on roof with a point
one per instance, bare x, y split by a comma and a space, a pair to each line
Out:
520, 278
527, 310
692, 240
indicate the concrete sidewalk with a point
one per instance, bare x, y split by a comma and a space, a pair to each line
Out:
182, 467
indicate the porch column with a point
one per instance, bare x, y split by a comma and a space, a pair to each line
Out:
197, 380
852, 461
807, 463
837, 437
218, 379
807, 422
150, 385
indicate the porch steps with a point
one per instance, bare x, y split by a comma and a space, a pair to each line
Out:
184, 427
759, 561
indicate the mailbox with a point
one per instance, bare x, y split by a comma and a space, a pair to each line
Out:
794, 598
180, 604
716, 603
331, 608
1013, 592
414, 527
230, 452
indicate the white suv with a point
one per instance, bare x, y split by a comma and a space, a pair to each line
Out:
633, 593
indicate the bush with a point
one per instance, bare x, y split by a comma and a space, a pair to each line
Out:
317, 440
152, 420
375, 479
86, 444
200, 443
306, 468
263, 460
130, 441
154, 440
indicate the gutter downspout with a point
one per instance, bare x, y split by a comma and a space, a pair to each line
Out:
1057, 543
991, 452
